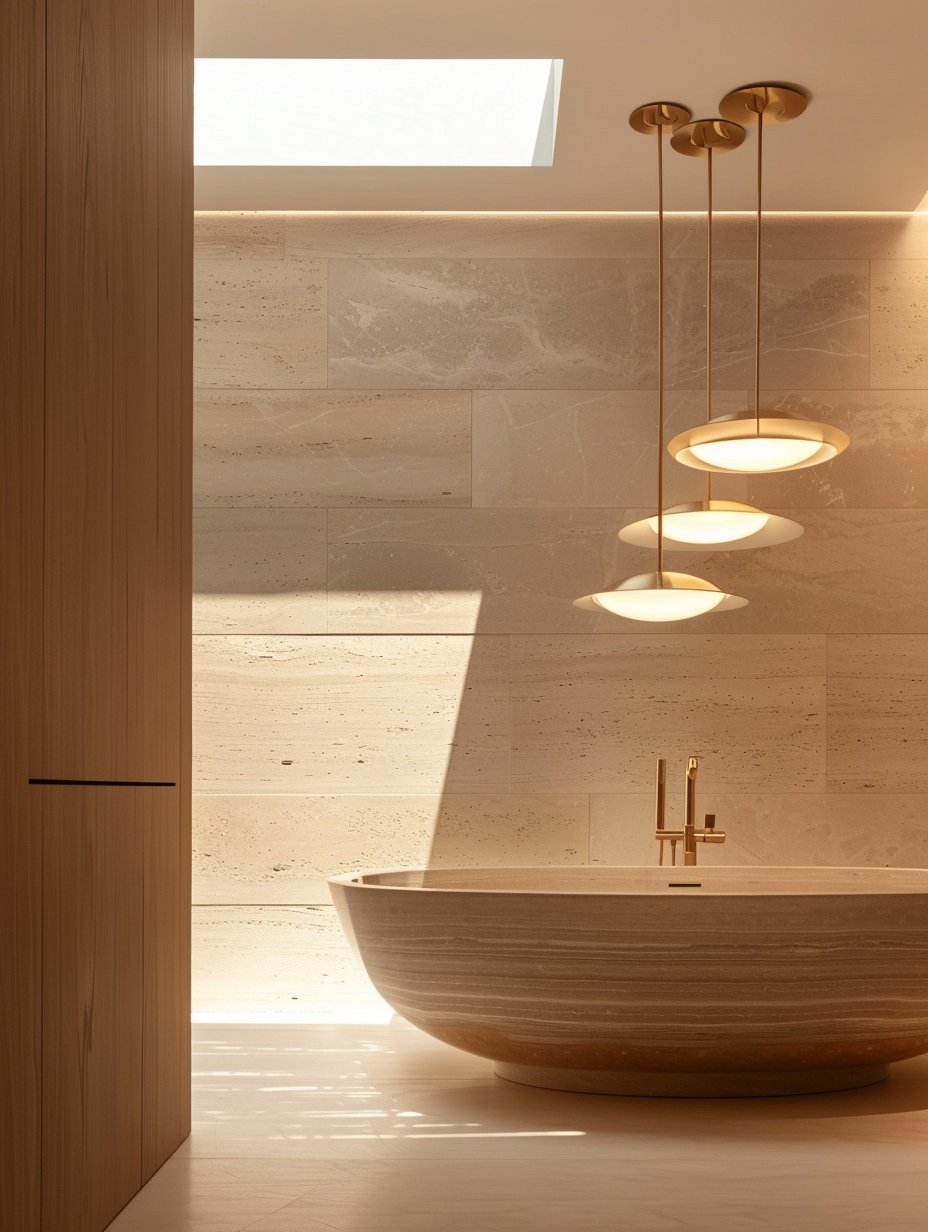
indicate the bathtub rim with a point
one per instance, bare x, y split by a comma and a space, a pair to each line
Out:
358, 880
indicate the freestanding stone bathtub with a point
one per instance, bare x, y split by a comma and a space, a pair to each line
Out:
655, 981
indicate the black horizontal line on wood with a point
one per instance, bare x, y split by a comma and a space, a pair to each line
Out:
94, 783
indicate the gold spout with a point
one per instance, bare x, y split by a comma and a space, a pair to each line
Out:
689, 812
689, 835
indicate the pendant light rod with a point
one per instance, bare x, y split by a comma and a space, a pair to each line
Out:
701, 525
655, 117
709, 284
753, 440
660, 354
708, 303
761, 107
660, 596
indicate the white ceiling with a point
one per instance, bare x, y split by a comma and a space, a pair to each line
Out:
862, 144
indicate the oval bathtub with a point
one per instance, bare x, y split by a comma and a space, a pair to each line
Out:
655, 981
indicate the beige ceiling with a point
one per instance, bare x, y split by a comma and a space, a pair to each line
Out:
862, 144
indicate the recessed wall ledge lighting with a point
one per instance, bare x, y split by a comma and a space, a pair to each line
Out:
700, 525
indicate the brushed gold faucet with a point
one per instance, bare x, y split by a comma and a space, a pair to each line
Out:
689, 835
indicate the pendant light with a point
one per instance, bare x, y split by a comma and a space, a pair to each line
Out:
663, 595
761, 440
698, 525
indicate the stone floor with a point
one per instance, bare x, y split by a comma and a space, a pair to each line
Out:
381, 1129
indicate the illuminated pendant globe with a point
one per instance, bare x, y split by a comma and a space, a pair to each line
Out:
699, 525
660, 597
743, 444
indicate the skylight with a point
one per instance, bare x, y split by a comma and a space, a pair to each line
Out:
375, 113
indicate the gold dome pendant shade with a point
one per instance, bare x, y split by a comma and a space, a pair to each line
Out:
660, 596
760, 441
698, 525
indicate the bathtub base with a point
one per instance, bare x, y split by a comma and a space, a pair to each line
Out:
689, 1085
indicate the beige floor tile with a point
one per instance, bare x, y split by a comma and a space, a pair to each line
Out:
238, 234
259, 571
642, 1196
837, 830
852, 571
899, 308
884, 467
878, 714
259, 322
592, 448
591, 714
288, 448
281, 849
361, 715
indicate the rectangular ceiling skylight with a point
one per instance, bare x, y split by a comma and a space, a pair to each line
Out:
375, 113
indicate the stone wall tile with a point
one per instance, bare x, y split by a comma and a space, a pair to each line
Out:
281, 849
217, 235
851, 571
489, 570
365, 715
878, 715
260, 323
259, 571
775, 829
290, 448
586, 448
592, 713
899, 310
884, 467
267, 964
583, 324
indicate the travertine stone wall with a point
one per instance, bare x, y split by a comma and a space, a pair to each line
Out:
416, 439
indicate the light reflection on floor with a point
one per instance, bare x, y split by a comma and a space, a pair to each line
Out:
380, 1129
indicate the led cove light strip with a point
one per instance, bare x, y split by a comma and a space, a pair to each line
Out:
375, 113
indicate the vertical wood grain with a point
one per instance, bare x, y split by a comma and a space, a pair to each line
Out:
117, 405
115, 619
166, 990
22, 310
166, 1057
93, 981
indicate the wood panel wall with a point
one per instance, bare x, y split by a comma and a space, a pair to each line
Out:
22, 349
95, 177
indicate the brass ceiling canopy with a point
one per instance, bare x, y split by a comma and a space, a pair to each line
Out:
777, 104
658, 115
702, 137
